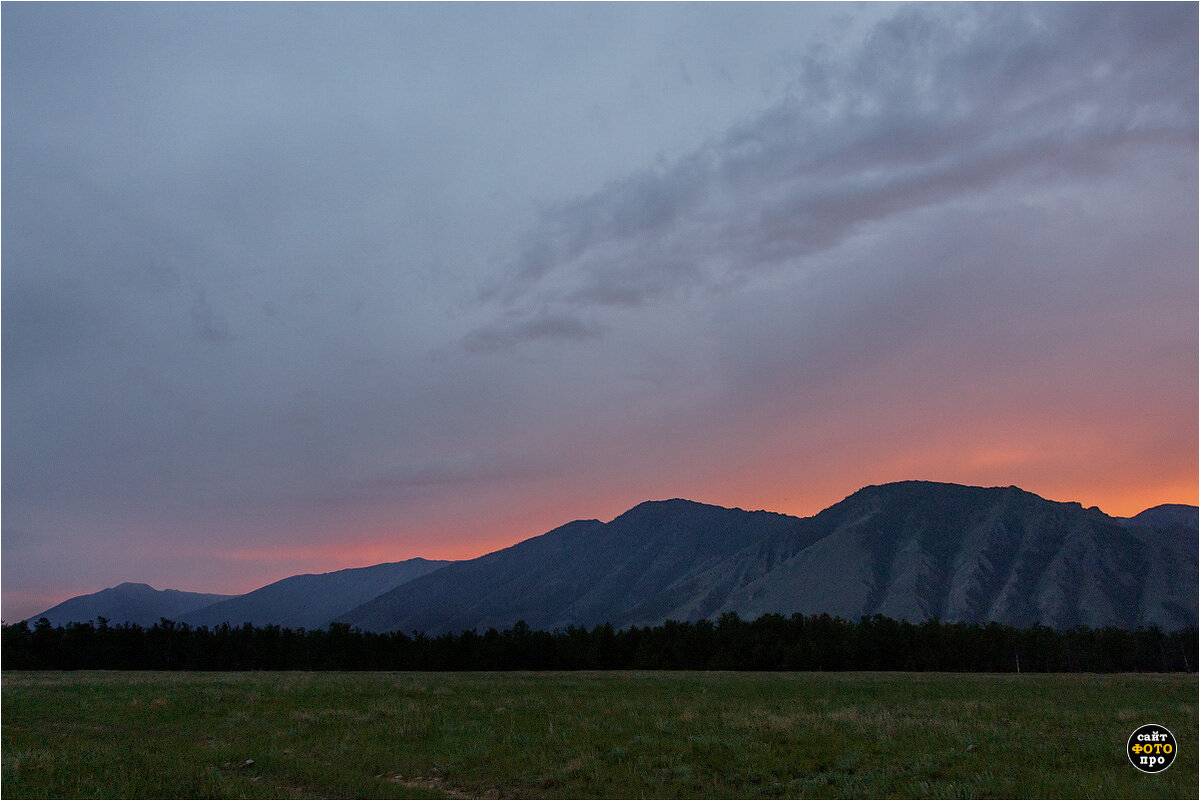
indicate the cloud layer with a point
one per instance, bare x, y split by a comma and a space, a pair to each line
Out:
989, 107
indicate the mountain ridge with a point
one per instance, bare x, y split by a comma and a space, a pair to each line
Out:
311, 600
130, 601
910, 550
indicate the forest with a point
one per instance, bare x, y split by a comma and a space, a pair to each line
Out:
772, 642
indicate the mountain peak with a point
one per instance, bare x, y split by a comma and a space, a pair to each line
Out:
655, 510
668, 503
1168, 514
133, 585
130, 602
919, 491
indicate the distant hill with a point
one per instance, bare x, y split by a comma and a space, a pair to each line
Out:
1168, 514
128, 602
910, 550
311, 600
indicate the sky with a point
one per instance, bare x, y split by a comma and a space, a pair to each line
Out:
290, 288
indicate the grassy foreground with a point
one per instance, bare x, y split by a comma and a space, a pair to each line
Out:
571, 735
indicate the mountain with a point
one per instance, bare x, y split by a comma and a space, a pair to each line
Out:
919, 550
1166, 515
311, 600
910, 550
128, 602
583, 573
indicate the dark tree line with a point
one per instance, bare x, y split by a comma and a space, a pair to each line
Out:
772, 642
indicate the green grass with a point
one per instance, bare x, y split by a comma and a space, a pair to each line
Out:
572, 735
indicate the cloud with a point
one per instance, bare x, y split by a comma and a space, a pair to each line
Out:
208, 323
982, 105
48, 322
505, 336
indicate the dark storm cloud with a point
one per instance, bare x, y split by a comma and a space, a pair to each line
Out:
941, 105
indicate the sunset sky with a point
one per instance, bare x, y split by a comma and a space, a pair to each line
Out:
292, 288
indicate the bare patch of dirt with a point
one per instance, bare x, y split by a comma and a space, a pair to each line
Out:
441, 785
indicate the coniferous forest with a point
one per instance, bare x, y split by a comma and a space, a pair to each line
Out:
772, 642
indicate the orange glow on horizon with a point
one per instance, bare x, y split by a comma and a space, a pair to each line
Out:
384, 540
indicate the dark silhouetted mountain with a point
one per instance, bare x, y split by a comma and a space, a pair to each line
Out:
313, 599
1166, 515
910, 550
583, 573
128, 603
920, 550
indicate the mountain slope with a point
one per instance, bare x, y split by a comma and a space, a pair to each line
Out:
583, 573
910, 550
128, 602
918, 550
1168, 593
1165, 516
311, 600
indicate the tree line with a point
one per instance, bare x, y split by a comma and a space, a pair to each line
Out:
772, 642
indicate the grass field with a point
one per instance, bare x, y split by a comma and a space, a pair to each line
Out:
569, 735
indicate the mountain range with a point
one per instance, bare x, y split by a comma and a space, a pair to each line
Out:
910, 550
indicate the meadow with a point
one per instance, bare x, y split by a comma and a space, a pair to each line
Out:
589, 735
